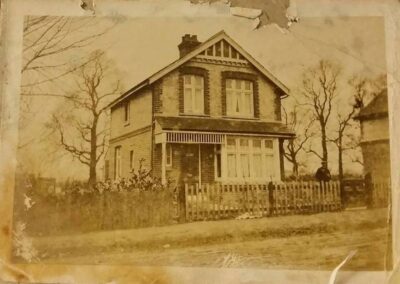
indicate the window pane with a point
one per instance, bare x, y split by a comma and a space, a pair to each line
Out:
245, 165
199, 102
238, 84
187, 79
210, 51
257, 165
126, 111
231, 143
229, 102
244, 144
218, 49
247, 103
117, 165
131, 165
169, 154
188, 100
226, 49
234, 53
231, 165
199, 80
237, 107
247, 85
268, 144
257, 145
269, 165
229, 83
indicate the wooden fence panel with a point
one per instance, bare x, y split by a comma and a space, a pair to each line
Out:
218, 201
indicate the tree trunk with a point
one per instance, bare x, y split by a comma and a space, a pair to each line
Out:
295, 168
93, 154
323, 145
340, 169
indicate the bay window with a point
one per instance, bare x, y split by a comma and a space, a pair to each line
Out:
239, 98
246, 159
193, 97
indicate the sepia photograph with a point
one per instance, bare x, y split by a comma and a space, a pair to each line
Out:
213, 142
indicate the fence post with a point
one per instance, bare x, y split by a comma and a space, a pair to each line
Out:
183, 203
270, 189
207, 188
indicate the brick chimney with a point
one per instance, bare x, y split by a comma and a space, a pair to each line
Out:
189, 43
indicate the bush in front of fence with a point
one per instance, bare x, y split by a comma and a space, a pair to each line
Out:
136, 201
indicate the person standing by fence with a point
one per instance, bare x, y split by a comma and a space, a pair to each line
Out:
323, 175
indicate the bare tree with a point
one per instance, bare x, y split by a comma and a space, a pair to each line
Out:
364, 90
296, 121
47, 43
319, 90
49, 47
84, 133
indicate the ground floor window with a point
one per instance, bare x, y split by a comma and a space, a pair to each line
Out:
169, 155
243, 158
117, 163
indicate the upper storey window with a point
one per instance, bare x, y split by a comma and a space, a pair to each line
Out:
127, 112
239, 98
193, 94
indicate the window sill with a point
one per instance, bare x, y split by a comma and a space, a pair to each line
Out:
194, 114
127, 123
241, 117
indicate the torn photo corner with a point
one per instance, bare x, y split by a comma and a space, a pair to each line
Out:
146, 141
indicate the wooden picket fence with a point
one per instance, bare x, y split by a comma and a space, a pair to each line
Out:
222, 201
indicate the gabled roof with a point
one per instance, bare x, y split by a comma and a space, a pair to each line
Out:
186, 123
377, 108
202, 47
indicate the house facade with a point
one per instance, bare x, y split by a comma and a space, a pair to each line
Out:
212, 115
374, 122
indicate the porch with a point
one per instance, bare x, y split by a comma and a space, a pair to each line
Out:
206, 158
206, 150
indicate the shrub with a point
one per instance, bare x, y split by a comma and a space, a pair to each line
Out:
140, 179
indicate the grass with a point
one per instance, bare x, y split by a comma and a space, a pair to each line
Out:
312, 241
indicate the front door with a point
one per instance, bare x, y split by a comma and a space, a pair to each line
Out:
190, 163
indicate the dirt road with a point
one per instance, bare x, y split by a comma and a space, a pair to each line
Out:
294, 242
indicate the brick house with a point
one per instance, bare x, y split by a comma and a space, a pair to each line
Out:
212, 115
374, 122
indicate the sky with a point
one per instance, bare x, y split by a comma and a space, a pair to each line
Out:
141, 46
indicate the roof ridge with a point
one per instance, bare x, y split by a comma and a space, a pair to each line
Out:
204, 45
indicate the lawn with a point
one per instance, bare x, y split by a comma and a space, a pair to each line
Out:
319, 241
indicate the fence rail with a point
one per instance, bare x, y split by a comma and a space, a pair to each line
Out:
219, 201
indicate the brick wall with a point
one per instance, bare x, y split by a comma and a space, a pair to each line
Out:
269, 110
185, 163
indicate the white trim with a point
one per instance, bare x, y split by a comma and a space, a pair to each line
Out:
160, 137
